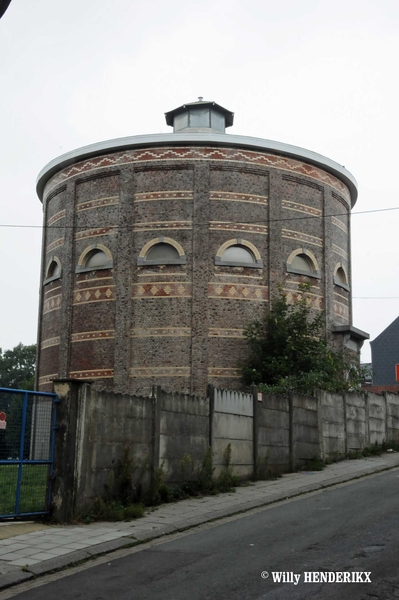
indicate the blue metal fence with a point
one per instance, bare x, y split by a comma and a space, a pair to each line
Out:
27, 438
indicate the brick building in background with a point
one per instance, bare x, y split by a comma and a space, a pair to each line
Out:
159, 249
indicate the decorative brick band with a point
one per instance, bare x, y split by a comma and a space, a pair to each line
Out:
341, 310
59, 215
55, 244
161, 289
195, 153
302, 237
240, 227
139, 332
89, 282
159, 372
302, 208
238, 291
46, 379
339, 224
164, 195
50, 342
314, 300
96, 374
156, 225
110, 201
84, 336
341, 298
340, 251
89, 233
94, 294
52, 292
224, 372
53, 303
237, 197
226, 333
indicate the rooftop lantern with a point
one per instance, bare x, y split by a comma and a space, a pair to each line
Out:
202, 116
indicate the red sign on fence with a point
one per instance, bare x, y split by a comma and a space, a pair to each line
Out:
397, 372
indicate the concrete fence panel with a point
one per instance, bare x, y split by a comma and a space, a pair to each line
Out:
377, 417
392, 417
305, 444
232, 423
356, 422
273, 434
184, 430
332, 425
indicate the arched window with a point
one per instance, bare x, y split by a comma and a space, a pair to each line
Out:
94, 258
238, 253
303, 262
341, 277
162, 251
53, 270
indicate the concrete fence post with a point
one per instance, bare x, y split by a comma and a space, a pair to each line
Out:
156, 426
386, 415
319, 396
367, 418
63, 492
211, 399
255, 425
291, 431
345, 422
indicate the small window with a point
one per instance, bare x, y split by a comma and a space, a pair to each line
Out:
238, 254
341, 279
162, 251
97, 259
303, 262
53, 270
94, 258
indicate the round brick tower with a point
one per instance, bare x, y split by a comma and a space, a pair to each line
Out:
159, 249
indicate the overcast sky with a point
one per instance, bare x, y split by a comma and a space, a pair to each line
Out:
316, 74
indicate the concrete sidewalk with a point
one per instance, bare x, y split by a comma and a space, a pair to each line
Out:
28, 549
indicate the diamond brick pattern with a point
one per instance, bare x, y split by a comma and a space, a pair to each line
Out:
238, 291
163, 289
53, 303
94, 294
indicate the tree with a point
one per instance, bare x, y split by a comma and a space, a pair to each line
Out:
288, 351
17, 367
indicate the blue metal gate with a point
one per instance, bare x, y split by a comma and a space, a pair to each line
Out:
27, 437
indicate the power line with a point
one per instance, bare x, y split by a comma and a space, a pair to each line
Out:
102, 226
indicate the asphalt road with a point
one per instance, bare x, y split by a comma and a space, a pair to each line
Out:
353, 527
